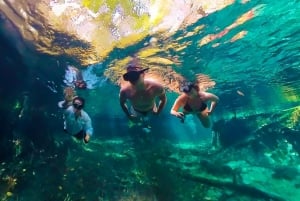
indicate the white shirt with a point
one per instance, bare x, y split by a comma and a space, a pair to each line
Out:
75, 125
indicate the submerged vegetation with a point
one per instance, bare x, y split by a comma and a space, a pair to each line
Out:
258, 162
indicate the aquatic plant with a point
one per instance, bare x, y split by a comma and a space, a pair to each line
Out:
295, 117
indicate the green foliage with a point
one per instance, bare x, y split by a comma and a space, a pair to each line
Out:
141, 21
112, 4
106, 18
93, 5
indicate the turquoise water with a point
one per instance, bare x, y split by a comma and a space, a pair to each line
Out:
257, 80
261, 64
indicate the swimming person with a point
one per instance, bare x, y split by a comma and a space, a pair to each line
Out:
141, 93
77, 122
194, 101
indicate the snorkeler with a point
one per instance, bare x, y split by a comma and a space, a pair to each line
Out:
77, 122
194, 101
141, 93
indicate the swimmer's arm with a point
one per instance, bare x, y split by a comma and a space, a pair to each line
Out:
89, 130
69, 95
176, 106
123, 99
213, 99
162, 101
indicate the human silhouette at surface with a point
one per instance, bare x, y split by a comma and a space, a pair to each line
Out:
74, 77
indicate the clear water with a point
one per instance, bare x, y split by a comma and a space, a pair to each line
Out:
257, 74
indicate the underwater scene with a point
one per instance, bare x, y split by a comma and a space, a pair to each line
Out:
150, 100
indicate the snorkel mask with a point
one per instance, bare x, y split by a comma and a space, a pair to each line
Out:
132, 76
133, 73
186, 87
78, 103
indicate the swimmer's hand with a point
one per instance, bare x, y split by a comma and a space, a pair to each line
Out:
155, 111
133, 118
86, 139
180, 115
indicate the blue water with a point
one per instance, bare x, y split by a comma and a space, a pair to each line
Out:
257, 81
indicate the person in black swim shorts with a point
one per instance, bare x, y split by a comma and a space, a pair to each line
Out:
141, 93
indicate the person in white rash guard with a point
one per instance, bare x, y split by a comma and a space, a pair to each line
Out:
77, 122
